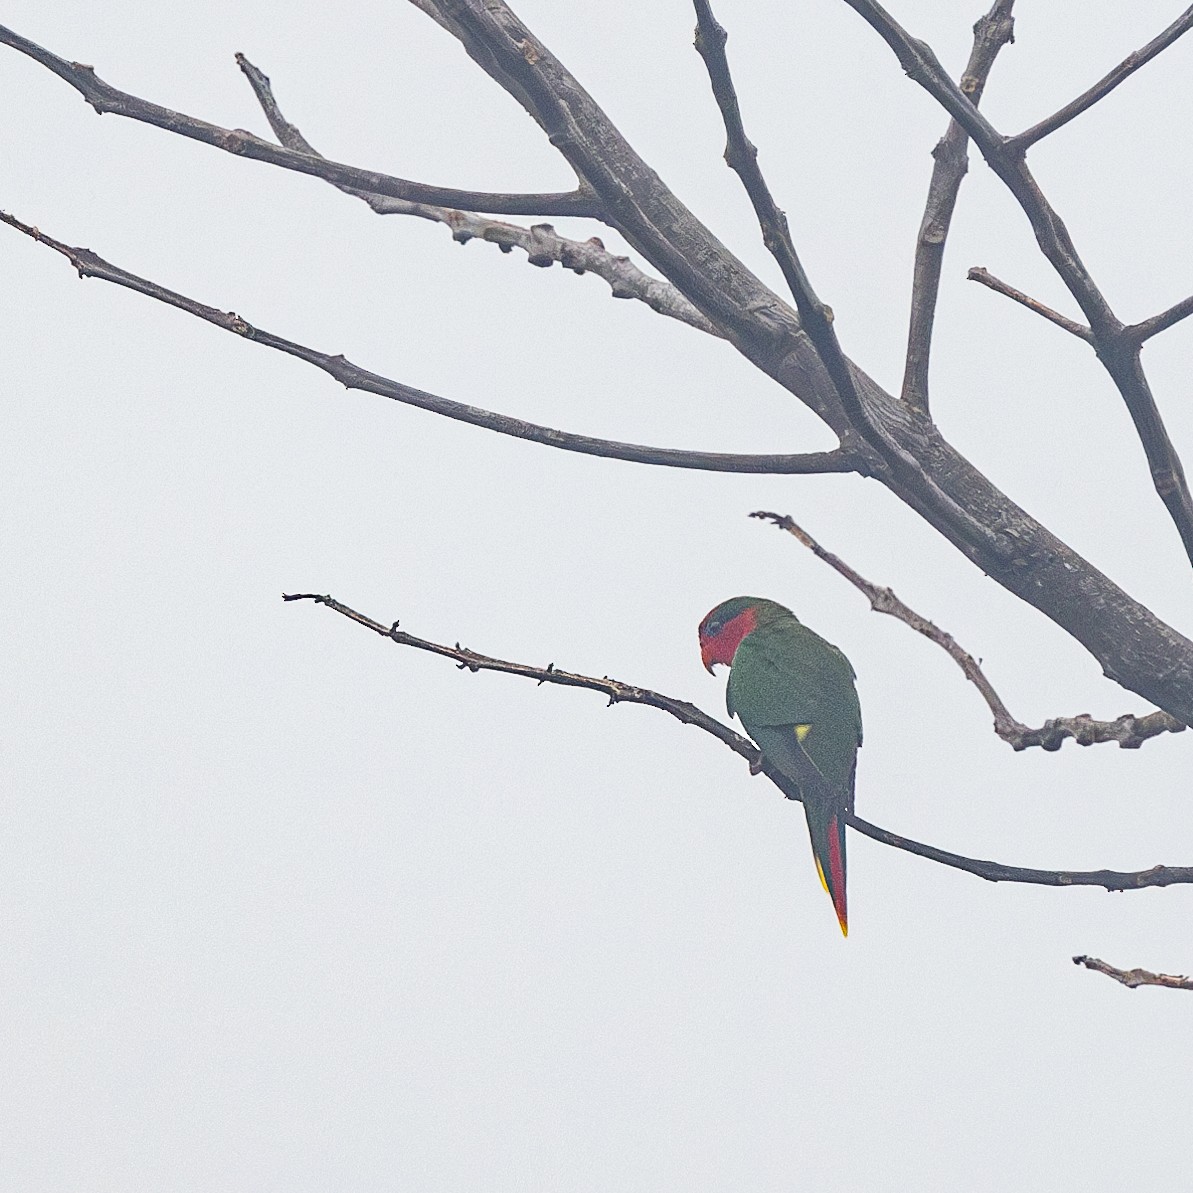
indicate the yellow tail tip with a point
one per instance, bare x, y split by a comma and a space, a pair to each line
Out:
820, 875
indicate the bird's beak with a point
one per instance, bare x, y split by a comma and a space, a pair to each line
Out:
705, 657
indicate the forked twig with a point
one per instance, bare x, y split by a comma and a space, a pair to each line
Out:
816, 318
1117, 350
1129, 731
103, 97
542, 244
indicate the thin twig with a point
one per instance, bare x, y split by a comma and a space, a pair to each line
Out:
951, 161
618, 692
815, 317
542, 244
352, 376
1136, 977
1161, 322
103, 97
979, 274
1105, 85
1116, 349
1129, 731
742, 156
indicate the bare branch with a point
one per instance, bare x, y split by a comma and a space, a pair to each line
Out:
990, 34
1136, 977
618, 692
103, 97
1104, 86
1161, 322
1132, 645
1116, 350
816, 318
542, 244
742, 156
1129, 731
352, 376
883, 600
979, 274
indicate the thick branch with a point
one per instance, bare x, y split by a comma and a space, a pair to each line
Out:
757, 321
103, 97
542, 244
352, 376
1104, 86
979, 274
951, 161
618, 692
1136, 977
1133, 646
1117, 351
1129, 731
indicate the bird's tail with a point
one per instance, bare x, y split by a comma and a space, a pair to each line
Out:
826, 827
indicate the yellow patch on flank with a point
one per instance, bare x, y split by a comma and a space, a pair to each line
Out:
820, 874
802, 731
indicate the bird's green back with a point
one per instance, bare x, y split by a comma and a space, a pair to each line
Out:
784, 675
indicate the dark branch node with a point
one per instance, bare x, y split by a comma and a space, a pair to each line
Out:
1133, 978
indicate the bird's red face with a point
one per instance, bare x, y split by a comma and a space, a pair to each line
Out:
722, 631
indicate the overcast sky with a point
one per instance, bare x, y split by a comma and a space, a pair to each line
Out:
286, 907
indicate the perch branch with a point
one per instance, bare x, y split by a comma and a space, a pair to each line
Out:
1104, 86
951, 161
103, 97
1129, 731
1135, 977
1117, 351
352, 376
542, 244
618, 692
979, 274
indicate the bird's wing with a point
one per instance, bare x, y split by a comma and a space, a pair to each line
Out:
787, 677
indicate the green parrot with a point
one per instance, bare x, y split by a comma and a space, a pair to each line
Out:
795, 695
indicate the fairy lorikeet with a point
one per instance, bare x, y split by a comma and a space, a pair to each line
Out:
794, 693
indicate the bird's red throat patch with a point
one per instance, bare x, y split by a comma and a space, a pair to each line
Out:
722, 646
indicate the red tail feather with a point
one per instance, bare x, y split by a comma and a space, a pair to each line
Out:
828, 848
836, 865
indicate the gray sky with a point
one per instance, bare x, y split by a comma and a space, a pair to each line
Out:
288, 908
